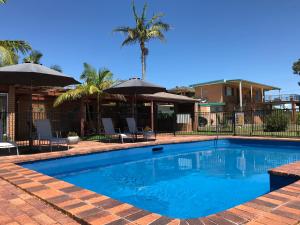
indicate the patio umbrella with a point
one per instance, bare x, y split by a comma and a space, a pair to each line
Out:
30, 74
34, 75
134, 87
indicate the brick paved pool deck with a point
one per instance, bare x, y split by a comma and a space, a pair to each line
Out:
86, 207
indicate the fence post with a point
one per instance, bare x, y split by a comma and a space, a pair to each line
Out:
234, 131
252, 122
174, 124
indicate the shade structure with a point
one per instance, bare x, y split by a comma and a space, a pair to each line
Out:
33, 75
30, 74
135, 86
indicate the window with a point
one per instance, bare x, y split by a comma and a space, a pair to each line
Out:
228, 91
257, 95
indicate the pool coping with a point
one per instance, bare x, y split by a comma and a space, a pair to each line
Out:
88, 207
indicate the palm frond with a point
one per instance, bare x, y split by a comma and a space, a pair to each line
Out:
57, 68
71, 95
3, 1
93, 89
5, 57
160, 26
89, 73
129, 41
143, 17
156, 34
134, 10
34, 57
123, 30
154, 19
16, 46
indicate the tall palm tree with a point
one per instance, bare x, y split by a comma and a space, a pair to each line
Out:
95, 81
9, 51
34, 57
144, 31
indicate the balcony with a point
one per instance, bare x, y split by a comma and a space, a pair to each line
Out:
282, 98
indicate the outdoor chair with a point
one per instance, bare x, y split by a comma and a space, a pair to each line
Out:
44, 132
6, 144
112, 132
135, 131
132, 128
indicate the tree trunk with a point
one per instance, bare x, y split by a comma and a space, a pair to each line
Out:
143, 58
98, 113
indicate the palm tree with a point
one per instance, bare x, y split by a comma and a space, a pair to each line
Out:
2, 1
95, 81
57, 68
144, 31
34, 57
9, 51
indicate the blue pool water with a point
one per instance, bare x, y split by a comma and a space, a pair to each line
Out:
187, 180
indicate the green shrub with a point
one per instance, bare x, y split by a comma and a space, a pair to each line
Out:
277, 121
298, 119
72, 134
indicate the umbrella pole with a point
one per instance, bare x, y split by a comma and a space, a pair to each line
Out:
135, 115
30, 119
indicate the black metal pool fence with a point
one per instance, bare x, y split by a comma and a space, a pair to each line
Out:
279, 123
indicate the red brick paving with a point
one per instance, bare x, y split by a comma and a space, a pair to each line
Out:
20, 208
278, 207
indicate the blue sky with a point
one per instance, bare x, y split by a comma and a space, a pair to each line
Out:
210, 39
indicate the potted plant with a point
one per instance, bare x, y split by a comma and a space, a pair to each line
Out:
73, 138
148, 133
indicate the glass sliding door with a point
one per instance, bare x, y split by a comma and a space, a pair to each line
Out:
3, 115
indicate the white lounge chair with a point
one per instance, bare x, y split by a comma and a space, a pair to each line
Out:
44, 132
110, 131
6, 144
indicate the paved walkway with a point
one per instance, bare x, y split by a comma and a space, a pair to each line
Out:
19, 208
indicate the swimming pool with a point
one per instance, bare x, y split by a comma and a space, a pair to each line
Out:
187, 180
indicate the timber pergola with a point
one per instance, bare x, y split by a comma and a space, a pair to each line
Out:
164, 97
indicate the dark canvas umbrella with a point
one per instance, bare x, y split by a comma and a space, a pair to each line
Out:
31, 74
34, 75
134, 87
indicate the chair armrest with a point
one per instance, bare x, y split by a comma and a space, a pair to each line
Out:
102, 131
140, 129
127, 130
118, 130
58, 134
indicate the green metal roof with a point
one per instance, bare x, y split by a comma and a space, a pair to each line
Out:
234, 81
212, 104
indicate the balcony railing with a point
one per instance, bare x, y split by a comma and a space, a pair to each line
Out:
282, 98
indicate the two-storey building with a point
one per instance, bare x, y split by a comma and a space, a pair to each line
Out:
232, 95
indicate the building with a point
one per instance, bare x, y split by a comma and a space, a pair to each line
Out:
183, 90
232, 95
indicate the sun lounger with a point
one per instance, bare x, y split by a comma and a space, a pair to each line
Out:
44, 132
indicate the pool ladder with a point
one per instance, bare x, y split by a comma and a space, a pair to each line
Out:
216, 140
